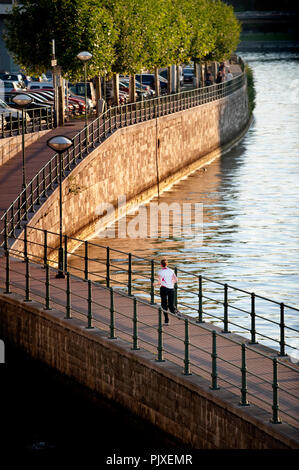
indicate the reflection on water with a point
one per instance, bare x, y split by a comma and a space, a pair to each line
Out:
250, 201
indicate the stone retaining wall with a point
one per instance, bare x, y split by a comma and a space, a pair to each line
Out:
10, 146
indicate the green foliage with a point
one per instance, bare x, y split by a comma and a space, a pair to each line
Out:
32, 26
250, 88
123, 36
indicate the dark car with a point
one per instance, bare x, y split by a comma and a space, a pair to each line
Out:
34, 109
188, 75
149, 79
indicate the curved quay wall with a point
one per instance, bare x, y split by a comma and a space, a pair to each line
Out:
126, 164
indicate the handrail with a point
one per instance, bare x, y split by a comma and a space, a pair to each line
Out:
106, 270
237, 376
35, 119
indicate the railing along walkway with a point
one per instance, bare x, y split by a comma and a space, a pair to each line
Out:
97, 132
255, 375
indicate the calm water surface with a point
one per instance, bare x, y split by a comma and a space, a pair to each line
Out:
250, 202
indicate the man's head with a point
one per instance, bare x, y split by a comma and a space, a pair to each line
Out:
164, 262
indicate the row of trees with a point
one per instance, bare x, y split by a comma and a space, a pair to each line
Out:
123, 36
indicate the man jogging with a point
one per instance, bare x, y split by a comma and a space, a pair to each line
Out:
167, 279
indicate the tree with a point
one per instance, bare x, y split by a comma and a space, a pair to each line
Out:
75, 25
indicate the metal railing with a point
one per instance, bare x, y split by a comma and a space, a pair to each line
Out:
201, 298
36, 119
100, 306
99, 130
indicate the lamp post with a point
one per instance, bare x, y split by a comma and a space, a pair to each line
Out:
22, 100
60, 144
85, 57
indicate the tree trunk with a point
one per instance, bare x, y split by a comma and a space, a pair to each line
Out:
132, 89
178, 85
202, 74
61, 101
116, 89
197, 74
157, 82
169, 78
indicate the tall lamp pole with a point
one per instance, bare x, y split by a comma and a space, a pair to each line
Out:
22, 100
85, 57
60, 144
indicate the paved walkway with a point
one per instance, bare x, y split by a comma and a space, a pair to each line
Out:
37, 155
259, 358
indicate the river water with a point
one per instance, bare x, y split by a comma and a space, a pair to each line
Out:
249, 234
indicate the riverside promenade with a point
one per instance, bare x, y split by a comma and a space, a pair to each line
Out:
207, 386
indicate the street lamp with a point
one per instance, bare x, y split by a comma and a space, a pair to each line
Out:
60, 144
22, 100
85, 57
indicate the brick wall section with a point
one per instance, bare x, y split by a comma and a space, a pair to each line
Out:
10, 146
125, 164
158, 392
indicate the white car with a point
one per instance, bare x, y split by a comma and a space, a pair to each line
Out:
8, 115
40, 86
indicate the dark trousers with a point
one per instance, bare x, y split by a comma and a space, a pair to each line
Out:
167, 301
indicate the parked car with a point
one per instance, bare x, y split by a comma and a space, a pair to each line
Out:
143, 89
40, 86
33, 109
8, 85
188, 73
149, 79
10, 117
14, 77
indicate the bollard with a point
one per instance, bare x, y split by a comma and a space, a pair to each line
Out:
152, 282
47, 283
27, 278
160, 337
214, 362
135, 326
130, 274
108, 266
187, 349
200, 312
112, 315
252, 329
244, 401
68, 297
282, 326
225, 305
86, 260
7, 276
89, 302
275, 407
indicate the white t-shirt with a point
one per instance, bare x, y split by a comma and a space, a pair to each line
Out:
166, 275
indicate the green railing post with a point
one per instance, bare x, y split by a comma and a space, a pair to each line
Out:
7, 276
200, 312
47, 283
65, 252
160, 337
129, 274
135, 326
25, 243
86, 260
176, 289
214, 362
108, 266
275, 407
89, 311
187, 349
45, 248
252, 313
152, 281
27, 278
282, 327
225, 305
112, 315
244, 401
68, 297
5, 232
